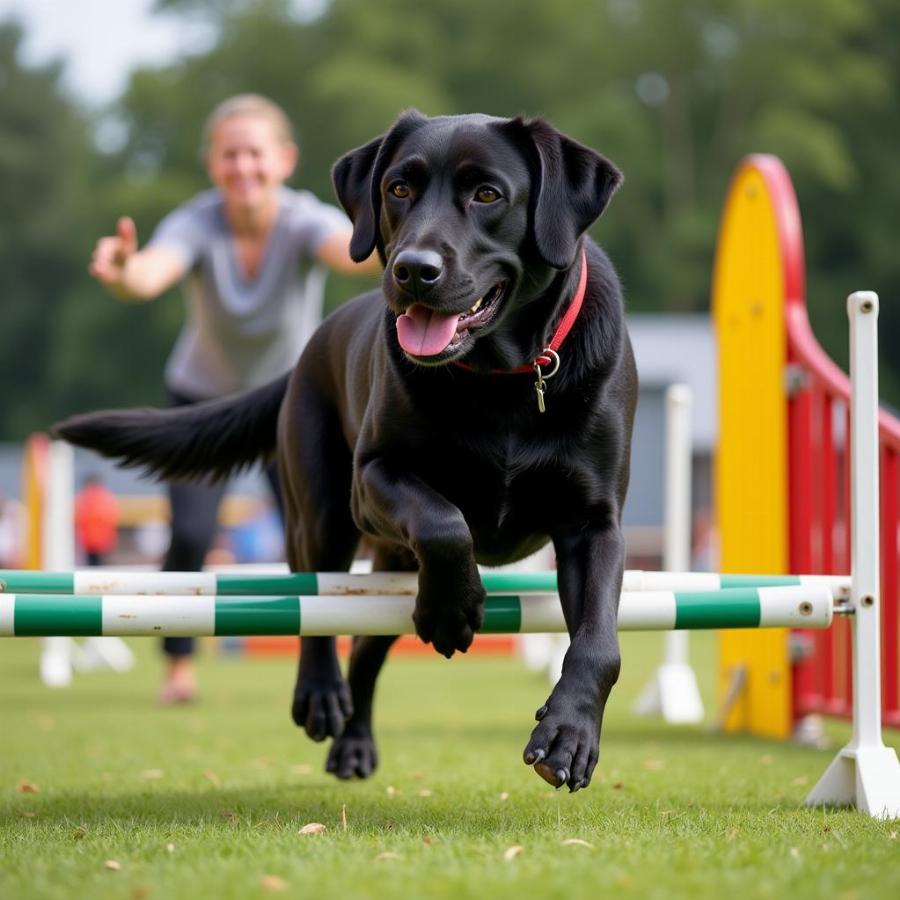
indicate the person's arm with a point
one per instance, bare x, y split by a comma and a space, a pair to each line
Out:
133, 274
334, 251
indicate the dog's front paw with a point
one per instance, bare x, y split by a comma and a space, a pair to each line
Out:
353, 753
564, 747
449, 622
321, 706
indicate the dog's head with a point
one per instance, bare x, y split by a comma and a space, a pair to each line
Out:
471, 216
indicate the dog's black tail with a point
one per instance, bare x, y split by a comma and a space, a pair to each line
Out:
204, 441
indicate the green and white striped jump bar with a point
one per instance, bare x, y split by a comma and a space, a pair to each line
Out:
806, 606
110, 582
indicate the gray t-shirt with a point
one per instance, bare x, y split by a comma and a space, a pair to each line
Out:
242, 333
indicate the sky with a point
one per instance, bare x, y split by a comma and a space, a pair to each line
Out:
99, 40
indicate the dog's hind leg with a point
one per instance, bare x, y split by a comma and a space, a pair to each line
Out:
353, 753
315, 471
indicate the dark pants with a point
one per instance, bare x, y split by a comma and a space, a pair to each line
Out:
195, 516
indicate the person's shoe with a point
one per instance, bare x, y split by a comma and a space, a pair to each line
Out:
175, 692
181, 685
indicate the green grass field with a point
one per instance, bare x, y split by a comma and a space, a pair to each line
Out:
134, 801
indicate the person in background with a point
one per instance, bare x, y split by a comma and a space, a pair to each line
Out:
96, 520
251, 255
13, 526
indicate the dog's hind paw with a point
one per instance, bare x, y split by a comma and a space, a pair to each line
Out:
322, 707
353, 754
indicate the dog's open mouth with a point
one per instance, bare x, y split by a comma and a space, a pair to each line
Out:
426, 332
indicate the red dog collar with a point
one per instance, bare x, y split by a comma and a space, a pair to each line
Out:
549, 354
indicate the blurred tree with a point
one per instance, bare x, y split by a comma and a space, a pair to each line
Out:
675, 94
851, 234
43, 154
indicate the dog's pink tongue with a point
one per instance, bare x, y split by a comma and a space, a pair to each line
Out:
424, 332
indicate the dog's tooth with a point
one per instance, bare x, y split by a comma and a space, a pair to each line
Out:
474, 309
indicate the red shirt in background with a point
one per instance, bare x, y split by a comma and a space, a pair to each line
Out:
96, 519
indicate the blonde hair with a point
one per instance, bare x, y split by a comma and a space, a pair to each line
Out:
249, 105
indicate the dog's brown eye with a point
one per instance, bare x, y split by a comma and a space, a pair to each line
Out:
486, 194
399, 189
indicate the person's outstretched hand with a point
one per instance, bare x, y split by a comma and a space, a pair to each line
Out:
111, 254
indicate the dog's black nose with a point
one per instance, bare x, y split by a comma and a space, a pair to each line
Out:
417, 270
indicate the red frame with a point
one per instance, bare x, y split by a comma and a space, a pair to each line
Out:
819, 483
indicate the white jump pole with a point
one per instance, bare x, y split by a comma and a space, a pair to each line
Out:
35, 614
865, 773
672, 690
58, 552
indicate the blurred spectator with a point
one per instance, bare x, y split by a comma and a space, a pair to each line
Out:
96, 521
12, 533
249, 254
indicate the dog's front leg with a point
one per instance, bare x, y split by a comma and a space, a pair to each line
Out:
401, 508
564, 746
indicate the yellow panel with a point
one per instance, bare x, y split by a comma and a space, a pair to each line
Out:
751, 460
34, 483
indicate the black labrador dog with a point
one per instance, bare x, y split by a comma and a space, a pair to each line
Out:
425, 416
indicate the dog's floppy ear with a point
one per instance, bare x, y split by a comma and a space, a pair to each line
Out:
571, 186
357, 182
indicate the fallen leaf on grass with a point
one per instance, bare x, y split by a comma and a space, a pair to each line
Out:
45, 723
892, 836
29, 815
512, 852
425, 793
211, 777
26, 787
653, 765
140, 893
301, 769
313, 828
618, 785
577, 842
80, 832
767, 759
170, 848
731, 835
795, 853
152, 774
391, 791
112, 865
504, 795
272, 883
800, 780
427, 841
382, 857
